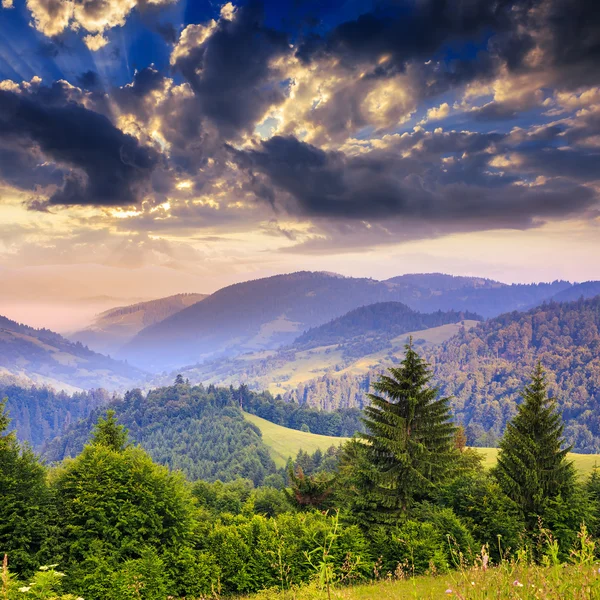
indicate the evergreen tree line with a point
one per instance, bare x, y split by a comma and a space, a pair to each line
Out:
406, 495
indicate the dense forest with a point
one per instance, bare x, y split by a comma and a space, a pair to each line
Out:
403, 498
484, 369
377, 323
202, 431
39, 414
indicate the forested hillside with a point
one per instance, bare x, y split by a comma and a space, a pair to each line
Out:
44, 357
370, 328
485, 369
39, 414
202, 431
267, 313
116, 326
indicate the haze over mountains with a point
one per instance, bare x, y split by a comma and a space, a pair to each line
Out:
40, 356
267, 313
113, 328
286, 331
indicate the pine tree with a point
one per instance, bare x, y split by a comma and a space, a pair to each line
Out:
532, 464
24, 502
107, 432
409, 436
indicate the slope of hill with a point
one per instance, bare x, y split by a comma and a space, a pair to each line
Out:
375, 323
586, 289
486, 368
287, 371
267, 313
284, 443
113, 328
43, 357
434, 291
38, 414
254, 315
203, 431
199, 431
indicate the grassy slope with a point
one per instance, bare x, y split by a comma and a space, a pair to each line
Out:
584, 463
285, 443
318, 361
506, 582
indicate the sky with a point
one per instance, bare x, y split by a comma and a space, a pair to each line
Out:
150, 147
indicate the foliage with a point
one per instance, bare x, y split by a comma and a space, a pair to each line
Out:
200, 431
38, 414
532, 465
309, 491
409, 434
117, 504
24, 502
486, 368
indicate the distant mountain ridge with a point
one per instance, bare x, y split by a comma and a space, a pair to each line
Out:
380, 321
44, 357
268, 313
485, 368
115, 327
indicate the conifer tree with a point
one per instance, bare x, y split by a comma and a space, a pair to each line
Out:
532, 464
409, 436
24, 502
108, 432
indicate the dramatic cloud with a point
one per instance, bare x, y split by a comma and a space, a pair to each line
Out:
411, 121
232, 67
98, 163
440, 178
52, 17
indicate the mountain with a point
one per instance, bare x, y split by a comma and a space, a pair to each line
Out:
587, 289
268, 313
435, 291
113, 328
485, 369
44, 357
375, 323
253, 315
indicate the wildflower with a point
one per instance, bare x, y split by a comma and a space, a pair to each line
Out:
25, 588
449, 592
517, 583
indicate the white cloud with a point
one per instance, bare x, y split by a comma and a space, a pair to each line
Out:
52, 17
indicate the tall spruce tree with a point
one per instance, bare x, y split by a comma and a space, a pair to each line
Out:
24, 502
533, 468
410, 435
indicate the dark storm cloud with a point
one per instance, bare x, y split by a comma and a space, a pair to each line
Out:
381, 184
566, 31
405, 31
101, 165
231, 73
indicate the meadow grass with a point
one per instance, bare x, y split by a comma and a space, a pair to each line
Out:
284, 443
510, 581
